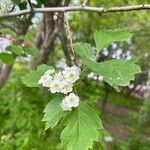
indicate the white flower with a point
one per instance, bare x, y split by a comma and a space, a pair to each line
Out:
72, 100
91, 75
66, 87
71, 74
61, 64
108, 139
64, 106
45, 80
100, 78
59, 76
55, 86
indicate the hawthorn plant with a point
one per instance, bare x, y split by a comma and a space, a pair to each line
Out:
81, 123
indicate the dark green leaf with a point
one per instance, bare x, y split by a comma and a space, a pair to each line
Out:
53, 112
7, 58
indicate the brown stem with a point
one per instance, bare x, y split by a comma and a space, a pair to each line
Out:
5, 74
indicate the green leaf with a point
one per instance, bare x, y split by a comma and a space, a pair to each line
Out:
6, 31
32, 51
7, 58
115, 72
85, 72
15, 49
31, 79
81, 128
53, 112
105, 37
84, 49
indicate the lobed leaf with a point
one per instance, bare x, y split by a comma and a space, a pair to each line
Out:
105, 37
31, 79
84, 50
15, 49
81, 129
115, 72
53, 112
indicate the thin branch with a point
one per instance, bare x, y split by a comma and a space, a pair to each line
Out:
30, 4
84, 3
69, 32
79, 8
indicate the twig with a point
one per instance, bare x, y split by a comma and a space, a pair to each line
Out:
31, 7
84, 3
78, 8
69, 35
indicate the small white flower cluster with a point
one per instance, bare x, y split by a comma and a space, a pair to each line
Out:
62, 82
61, 64
70, 101
5, 6
93, 76
108, 139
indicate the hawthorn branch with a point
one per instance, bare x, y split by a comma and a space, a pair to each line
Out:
79, 8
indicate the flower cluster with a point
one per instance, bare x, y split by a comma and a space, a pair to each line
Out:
93, 76
62, 82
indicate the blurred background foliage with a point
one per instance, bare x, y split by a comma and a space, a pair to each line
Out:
125, 115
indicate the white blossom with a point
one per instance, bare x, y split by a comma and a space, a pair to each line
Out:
71, 74
45, 80
108, 139
93, 76
64, 106
61, 64
55, 86
66, 87
59, 76
72, 100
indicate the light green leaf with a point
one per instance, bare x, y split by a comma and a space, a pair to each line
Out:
15, 49
115, 72
53, 112
31, 79
32, 51
84, 49
106, 37
81, 129
7, 58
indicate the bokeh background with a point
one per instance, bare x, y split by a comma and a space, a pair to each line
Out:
125, 115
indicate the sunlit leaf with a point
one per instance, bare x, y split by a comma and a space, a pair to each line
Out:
106, 37
31, 79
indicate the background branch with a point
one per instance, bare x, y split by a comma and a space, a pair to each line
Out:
79, 8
